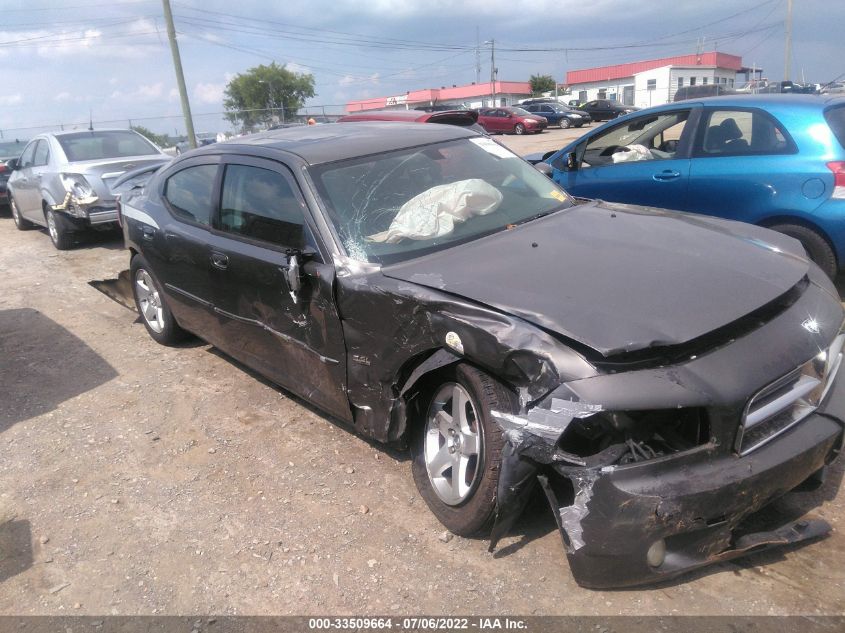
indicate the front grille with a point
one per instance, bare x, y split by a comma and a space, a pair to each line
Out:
784, 403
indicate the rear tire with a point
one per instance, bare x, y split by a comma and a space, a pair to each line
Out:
468, 507
151, 304
816, 246
20, 223
60, 234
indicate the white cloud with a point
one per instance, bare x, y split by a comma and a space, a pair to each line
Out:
209, 93
62, 96
143, 92
297, 68
10, 100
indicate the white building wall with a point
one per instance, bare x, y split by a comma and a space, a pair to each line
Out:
651, 87
666, 83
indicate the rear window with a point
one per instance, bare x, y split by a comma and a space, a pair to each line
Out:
836, 120
98, 145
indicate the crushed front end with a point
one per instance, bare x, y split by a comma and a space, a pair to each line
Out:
652, 467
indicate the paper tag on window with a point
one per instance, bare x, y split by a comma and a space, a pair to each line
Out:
554, 193
491, 147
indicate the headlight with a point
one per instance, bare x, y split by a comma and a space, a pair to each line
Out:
77, 186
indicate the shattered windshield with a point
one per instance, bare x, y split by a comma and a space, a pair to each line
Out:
407, 203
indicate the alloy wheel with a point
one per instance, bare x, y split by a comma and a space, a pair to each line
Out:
454, 444
149, 300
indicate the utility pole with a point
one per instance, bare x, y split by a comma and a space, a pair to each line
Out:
492, 44
180, 78
787, 54
477, 57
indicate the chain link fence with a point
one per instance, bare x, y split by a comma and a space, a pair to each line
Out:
173, 126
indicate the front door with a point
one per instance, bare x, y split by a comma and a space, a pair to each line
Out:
642, 161
24, 185
294, 338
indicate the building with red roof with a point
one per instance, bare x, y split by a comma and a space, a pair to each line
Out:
654, 81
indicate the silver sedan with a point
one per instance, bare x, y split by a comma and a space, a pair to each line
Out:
62, 180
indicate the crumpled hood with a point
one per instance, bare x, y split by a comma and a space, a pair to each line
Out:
617, 277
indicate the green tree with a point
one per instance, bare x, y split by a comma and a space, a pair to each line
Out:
264, 92
541, 83
159, 139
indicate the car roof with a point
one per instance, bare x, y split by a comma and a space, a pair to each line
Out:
316, 144
772, 100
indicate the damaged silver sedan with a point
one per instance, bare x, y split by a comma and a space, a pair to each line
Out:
62, 181
662, 376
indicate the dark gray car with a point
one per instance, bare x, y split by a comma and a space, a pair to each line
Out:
63, 180
662, 376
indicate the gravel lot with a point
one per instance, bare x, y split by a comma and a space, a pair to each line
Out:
140, 479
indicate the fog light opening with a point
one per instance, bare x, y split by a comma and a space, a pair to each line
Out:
656, 553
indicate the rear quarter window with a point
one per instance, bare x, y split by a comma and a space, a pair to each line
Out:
835, 118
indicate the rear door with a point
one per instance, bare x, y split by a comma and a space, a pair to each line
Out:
745, 166
179, 251
644, 160
293, 338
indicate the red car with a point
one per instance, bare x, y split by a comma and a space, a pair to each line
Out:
510, 120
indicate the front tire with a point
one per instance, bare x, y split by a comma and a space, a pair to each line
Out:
457, 449
20, 223
519, 128
816, 246
564, 123
60, 235
151, 305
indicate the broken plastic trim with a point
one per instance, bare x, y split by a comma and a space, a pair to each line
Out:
547, 423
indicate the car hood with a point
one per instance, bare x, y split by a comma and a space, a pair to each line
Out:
618, 278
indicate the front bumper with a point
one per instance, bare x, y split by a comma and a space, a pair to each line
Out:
695, 507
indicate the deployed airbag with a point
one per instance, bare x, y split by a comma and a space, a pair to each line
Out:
435, 212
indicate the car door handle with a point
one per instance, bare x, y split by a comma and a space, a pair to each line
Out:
668, 174
220, 261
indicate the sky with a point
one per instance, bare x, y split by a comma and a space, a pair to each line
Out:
65, 61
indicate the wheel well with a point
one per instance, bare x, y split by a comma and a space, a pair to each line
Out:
791, 219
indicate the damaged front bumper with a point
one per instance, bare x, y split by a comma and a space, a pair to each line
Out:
639, 510
649, 521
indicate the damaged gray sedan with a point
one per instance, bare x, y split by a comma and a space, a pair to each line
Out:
663, 376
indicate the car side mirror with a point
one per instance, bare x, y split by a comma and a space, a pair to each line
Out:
544, 168
12, 164
571, 161
293, 271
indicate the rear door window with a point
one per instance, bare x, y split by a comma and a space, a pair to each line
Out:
835, 118
740, 133
190, 193
42, 154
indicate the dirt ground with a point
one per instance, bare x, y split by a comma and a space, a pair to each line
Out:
141, 479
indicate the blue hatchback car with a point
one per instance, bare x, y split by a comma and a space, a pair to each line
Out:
773, 160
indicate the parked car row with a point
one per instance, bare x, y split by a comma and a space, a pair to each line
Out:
428, 288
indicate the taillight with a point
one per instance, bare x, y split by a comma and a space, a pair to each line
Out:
119, 211
3, 167
838, 169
